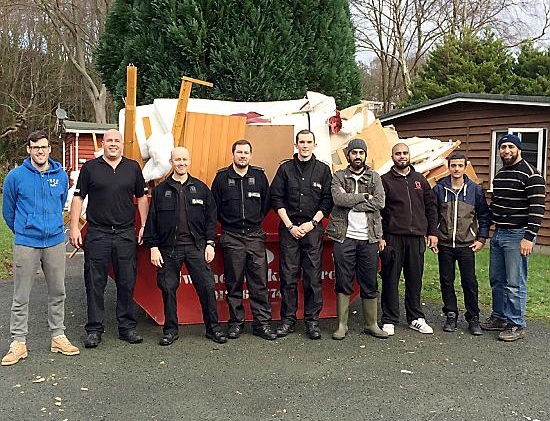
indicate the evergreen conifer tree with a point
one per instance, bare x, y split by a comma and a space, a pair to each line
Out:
532, 70
467, 64
253, 50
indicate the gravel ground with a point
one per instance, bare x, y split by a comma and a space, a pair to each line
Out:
407, 377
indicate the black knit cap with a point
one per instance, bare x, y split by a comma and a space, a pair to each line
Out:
356, 144
511, 138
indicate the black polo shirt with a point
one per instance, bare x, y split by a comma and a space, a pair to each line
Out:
110, 191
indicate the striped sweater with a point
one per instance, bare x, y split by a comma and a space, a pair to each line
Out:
518, 198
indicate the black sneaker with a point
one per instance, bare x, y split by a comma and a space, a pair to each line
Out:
474, 327
235, 330
450, 323
512, 333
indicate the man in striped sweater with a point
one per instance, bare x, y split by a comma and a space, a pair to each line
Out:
517, 211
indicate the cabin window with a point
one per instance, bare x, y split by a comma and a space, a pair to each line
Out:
535, 145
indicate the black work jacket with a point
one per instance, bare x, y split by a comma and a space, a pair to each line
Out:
302, 194
242, 202
161, 228
410, 206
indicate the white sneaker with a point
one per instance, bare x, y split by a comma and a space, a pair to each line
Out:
421, 326
389, 329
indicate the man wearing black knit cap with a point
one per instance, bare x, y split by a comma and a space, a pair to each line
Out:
356, 228
517, 211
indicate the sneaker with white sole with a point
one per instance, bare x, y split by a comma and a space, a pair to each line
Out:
421, 326
389, 329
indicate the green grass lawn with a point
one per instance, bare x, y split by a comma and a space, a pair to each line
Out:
538, 288
6, 248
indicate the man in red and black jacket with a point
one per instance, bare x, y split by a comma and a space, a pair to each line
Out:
409, 215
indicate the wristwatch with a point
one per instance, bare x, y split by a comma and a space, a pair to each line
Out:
210, 243
314, 222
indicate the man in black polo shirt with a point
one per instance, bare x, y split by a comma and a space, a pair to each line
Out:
241, 192
111, 182
300, 194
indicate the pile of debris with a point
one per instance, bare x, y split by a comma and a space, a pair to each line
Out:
426, 155
212, 126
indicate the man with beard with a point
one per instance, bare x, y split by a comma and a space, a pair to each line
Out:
356, 227
300, 194
241, 193
517, 211
410, 213
33, 199
111, 182
180, 228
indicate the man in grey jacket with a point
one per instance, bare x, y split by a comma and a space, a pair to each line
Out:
356, 227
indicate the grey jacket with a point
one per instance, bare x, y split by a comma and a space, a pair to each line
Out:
370, 199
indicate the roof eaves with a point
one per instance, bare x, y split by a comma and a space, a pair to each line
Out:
539, 101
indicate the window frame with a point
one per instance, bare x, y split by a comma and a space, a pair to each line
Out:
518, 131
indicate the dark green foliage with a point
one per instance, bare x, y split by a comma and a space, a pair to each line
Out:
252, 50
256, 53
329, 49
532, 70
109, 55
469, 64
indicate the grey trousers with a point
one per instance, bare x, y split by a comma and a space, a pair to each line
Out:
26, 261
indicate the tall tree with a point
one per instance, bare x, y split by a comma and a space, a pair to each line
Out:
78, 25
400, 33
478, 64
250, 49
532, 70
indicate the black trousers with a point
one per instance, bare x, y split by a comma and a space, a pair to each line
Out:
104, 245
244, 255
168, 280
447, 257
356, 259
305, 256
409, 258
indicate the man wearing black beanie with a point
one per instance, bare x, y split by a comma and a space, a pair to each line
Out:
517, 210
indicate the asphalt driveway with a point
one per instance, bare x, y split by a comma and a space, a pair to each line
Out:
407, 377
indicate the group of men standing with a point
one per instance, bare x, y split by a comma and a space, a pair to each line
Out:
392, 217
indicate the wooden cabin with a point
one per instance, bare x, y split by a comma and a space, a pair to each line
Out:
81, 140
478, 121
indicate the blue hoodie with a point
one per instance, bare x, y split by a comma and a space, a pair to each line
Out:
33, 204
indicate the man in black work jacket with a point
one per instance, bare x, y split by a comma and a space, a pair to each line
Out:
241, 192
409, 215
300, 194
180, 228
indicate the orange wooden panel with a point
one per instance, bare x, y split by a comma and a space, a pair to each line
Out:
147, 126
209, 138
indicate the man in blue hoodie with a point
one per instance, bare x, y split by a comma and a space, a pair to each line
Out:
33, 200
463, 226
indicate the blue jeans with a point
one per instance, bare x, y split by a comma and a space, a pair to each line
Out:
508, 276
